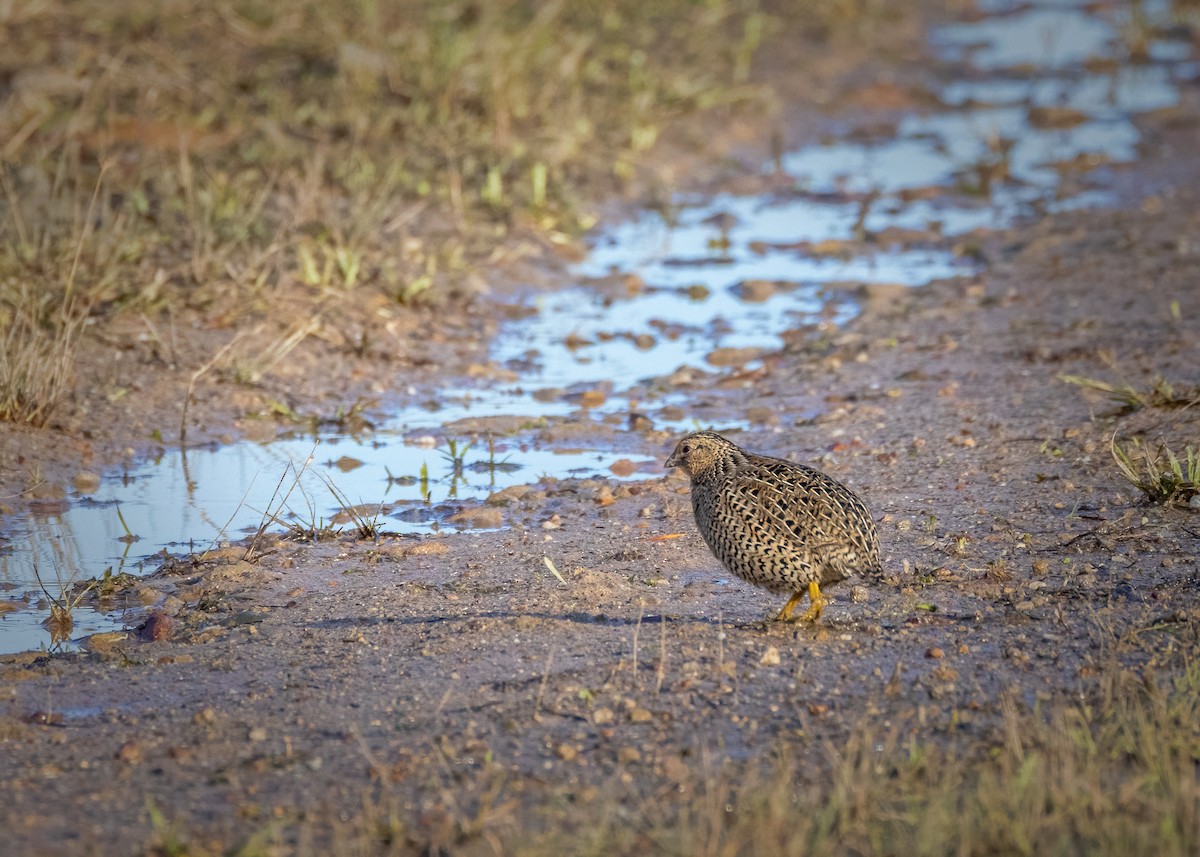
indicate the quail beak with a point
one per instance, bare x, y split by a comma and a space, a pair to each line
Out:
670, 462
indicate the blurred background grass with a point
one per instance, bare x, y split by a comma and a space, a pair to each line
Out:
196, 155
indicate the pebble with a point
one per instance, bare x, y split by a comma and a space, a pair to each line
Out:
86, 482
482, 517
130, 752
622, 467
732, 356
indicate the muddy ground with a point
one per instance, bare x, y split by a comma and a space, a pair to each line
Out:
459, 684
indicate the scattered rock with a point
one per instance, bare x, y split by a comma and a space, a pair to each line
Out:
479, 517
86, 482
566, 752
770, 657
733, 356
763, 416
130, 753
592, 398
623, 467
103, 643
403, 549
158, 626
755, 291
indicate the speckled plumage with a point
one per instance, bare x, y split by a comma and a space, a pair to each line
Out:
782, 526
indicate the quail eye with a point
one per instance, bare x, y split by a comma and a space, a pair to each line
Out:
685, 449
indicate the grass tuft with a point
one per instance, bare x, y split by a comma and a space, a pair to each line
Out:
37, 355
1161, 474
1162, 394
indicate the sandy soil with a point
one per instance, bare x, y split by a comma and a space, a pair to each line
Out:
418, 671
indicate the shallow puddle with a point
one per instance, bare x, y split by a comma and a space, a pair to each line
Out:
1044, 106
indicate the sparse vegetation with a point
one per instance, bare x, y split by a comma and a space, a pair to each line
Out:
1113, 774
1161, 394
366, 524
220, 159
60, 621
1159, 473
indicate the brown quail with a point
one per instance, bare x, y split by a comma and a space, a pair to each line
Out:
782, 526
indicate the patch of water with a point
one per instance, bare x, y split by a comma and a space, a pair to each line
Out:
1045, 97
184, 503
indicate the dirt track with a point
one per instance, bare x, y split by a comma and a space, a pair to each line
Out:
458, 681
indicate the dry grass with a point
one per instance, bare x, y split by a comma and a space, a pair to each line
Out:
1111, 777
1160, 474
1161, 394
1110, 774
208, 157
37, 355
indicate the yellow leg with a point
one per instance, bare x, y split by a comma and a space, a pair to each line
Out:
785, 615
818, 602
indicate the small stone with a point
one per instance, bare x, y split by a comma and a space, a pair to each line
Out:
622, 467
104, 643
566, 752
130, 752
592, 398
426, 549
640, 422
762, 416
479, 517
935, 653
258, 734
602, 716
732, 356
628, 755
604, 496
755, 291
86, 482
157, 627
548, 394
640, 715
770, 657
859, 594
